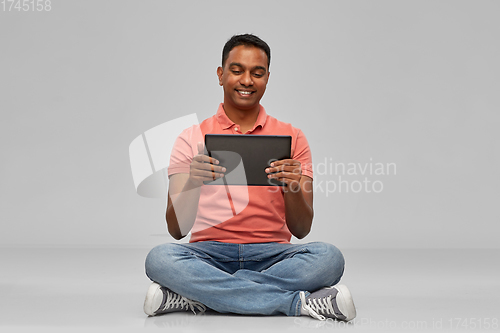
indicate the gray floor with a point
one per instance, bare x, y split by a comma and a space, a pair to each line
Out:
394, 290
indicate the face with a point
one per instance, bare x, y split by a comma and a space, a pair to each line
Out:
244, 77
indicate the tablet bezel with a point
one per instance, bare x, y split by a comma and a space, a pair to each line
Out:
255, 151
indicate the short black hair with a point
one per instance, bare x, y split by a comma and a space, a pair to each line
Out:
247, 40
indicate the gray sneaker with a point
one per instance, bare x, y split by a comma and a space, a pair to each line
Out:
160, 300
330, 302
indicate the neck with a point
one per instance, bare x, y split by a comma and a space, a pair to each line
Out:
244, 118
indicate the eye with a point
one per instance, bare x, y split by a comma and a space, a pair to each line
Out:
236, 72
258, 75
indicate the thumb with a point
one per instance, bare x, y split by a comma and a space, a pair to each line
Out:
201, 150
292, 150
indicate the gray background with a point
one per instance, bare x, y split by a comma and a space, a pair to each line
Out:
408, 82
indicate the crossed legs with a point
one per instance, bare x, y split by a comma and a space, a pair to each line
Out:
264, 278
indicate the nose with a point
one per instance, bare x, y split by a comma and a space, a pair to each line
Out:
246, 79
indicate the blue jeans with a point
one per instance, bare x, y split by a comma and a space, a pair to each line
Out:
262, 278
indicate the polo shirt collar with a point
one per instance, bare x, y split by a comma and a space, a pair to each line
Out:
226, 123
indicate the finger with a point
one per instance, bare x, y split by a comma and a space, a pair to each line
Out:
296, 169
205, 159
285, 176
285, 180
207, 175
208, 167
287, 161
213, 171
296, 165
292, 151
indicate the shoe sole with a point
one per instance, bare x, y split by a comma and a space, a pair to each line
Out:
345, 302
148, 302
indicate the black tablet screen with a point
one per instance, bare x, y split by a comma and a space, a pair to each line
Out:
247, 156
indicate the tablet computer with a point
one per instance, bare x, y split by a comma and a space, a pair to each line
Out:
246, 157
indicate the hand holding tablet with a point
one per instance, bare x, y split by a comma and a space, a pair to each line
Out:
288, 171
204, 168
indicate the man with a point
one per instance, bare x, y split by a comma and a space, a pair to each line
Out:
240, 260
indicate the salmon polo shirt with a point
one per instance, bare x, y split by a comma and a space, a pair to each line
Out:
238, 214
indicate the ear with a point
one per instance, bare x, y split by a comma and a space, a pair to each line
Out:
219, 74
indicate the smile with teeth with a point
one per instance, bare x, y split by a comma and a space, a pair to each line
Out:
243, 92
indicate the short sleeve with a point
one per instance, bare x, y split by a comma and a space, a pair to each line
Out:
302, 153
184, 149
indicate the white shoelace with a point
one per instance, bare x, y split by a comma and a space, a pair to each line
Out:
323, 305
180, 302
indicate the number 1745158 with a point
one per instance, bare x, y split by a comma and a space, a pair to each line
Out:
26, 5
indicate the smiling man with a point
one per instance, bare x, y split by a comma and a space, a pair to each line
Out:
244, 262
244, 78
